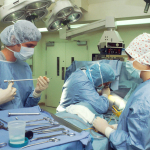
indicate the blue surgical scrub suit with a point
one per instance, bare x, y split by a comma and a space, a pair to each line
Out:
24, 94
78, 88
133, 131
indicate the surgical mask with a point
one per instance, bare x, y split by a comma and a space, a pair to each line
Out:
132, 71
24, 53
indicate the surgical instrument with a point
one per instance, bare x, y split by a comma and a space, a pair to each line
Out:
50, 140
49, 131
3, 127
45, 118
29, 134
19, 114
44, 127
65, 132
3, 144
19, 80
3, 121
52, 121
28, 125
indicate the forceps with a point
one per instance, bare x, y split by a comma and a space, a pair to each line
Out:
64, 132
50, 140
3, 144
3, 127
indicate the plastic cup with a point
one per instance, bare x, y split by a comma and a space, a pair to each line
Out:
16, 131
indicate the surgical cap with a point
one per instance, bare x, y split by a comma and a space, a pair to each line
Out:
139, 49
21, 32
107, 73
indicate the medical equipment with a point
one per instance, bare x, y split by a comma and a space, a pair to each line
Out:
3, 121
50, 140
22, 114
66, 123
63, 13
34, 10
65, 132
18, 80
49, 131
3, 127
116, 111
28, 125
45, 118
44, 127
110, 43
3, 144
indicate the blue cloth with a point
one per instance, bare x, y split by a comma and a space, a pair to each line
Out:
100, 73
79, 141
78, 88
21, 32
24, 94
134, 123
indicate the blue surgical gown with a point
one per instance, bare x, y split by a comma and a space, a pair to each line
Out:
133, 131
78, 88
24, 94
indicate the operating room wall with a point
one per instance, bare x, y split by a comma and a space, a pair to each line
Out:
127, 33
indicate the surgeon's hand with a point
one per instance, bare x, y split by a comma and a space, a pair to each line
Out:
100, 125
42, 84
106, 91
8, 94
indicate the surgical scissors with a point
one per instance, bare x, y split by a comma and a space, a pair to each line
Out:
3, 144
64, 132
50, 140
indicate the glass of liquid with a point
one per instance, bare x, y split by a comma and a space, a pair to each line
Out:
16, 131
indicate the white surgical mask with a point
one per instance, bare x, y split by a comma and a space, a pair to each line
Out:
24, 53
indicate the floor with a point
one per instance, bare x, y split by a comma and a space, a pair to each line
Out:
49, 109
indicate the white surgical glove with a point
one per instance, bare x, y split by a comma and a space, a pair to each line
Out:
101, 124
42, 84
8, 94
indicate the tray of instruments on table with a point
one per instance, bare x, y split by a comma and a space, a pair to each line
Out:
41, 130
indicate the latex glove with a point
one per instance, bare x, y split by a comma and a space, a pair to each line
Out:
114, 126
100, 125
8, 94
42, 84
106, 91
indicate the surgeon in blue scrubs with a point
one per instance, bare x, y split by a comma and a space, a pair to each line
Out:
20, 40
132, 131
82, 86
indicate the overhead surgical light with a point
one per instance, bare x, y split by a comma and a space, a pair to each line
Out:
64, 13
31, 10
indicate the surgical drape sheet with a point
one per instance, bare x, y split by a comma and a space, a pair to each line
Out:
78, 141
18, 70
100, 142
134, 123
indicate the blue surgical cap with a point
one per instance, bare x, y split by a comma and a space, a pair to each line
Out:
21, 32
95, 72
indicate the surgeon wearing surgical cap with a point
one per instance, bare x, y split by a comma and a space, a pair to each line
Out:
82, 86
132, 131
20, 40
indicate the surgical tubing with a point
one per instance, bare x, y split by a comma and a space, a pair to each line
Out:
94, 136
